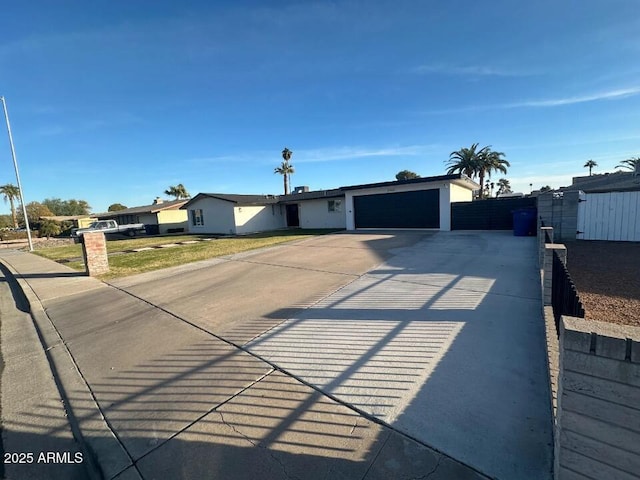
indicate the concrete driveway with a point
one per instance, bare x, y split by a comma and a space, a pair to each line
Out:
358, 356
438, 335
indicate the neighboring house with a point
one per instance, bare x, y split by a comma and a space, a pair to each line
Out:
423, 203
233, 214
79, 221
167, 215
606, 182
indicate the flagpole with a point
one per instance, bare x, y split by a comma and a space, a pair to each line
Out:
15, 165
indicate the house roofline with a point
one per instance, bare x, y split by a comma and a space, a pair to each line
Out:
438, 178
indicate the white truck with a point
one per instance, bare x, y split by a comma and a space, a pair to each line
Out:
110, 226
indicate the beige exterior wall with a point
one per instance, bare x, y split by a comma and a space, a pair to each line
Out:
258, 218
460, 194
172, 219
315, 214
218, 216
85, 222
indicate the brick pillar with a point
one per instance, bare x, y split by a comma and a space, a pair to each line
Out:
94, 251
547, 267
541, 242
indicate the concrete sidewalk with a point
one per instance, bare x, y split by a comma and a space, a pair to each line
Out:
151, 394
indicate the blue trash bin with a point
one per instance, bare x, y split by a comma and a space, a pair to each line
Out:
524, 222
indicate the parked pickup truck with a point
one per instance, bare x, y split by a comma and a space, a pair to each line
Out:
110, 226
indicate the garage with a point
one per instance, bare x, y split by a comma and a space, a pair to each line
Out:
414, 209
421, 203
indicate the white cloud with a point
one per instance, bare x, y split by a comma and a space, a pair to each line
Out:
543, 103
556, 102
470, 70
347, 153
328, 154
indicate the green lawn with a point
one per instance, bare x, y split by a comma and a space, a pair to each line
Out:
138, 262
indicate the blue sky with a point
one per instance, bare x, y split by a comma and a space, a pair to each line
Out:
115, 101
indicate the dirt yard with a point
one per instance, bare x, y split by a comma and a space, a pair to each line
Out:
607, 276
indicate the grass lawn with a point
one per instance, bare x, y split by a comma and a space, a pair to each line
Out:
74, 251
138, 262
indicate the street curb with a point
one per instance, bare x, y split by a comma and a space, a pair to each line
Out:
105, 457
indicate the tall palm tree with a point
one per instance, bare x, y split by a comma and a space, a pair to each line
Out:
11, 193
285, 169
286, 154
477, 163
465, 160
490, 161
630, 164
179, 191
590, 164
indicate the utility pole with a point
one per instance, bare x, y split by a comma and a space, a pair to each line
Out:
15, 165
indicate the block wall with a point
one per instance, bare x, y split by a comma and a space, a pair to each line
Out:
560, 213
598, 416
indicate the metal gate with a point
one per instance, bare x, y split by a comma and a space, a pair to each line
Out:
488, 214
609, 216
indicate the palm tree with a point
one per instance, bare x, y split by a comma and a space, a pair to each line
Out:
11, 193
286, 154
490, 161
590, 164
465, 160
632, 164
503, 186
178, 191
285, 169
473, 162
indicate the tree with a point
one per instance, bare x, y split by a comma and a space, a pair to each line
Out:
630, 164
406, 175
491, 161
6, 221
67, 207
285, 169
473, 162
178, 191
465, 160
49, 228
35, 210
503, 186
546, 188
116, 207
11, 193
590, 164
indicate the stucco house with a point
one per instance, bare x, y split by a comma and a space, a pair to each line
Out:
422, 203
166, 215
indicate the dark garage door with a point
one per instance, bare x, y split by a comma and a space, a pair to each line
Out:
418, 209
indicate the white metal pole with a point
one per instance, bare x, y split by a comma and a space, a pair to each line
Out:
15, 165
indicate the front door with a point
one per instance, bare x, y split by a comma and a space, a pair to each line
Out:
292, 215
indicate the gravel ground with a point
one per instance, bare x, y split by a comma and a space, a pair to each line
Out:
607, 276
37, 243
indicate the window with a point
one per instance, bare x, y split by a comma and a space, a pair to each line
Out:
335, 205
197, 218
